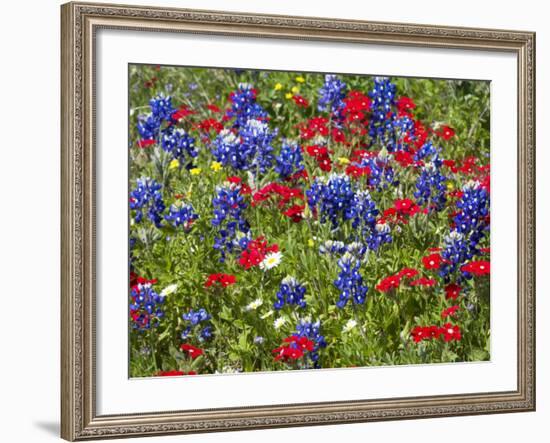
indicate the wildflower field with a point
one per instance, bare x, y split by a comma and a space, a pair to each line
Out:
292, 220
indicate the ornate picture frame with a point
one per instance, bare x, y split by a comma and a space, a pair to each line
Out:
80, 23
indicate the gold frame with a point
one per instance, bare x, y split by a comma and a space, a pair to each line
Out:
79, 22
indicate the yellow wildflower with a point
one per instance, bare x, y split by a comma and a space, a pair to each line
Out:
195, 171
311, 243
450, 186
300, 79
288, 95
295, 89
174, 164
343, 160
216, 166
278, 87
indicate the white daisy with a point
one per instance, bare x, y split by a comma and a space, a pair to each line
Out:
349, 326
271, 260
170, 289
253, 305
278, 323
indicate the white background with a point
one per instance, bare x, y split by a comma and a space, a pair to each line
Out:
29, 183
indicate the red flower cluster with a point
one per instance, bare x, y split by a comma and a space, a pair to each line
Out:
423, 281
393, 281
356, 105
478, 268
182, 112
293, 348
448, 332
193, 351
213, 108
404, 158
285, 194
136, 279
401, 211
255, 252
174, 373
405, 105
209, 124
224, 280
321, 155
314, 126
449, 312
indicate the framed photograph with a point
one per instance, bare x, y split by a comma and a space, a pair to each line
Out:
283, 221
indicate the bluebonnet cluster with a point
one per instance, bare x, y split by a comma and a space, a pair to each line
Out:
401, 125
256, 145
251, 149
427, 149
244, 106
380, 235
181, 214
470, 227
383, 101
161, 110
430, 185
350, 282
228, 205
381, 173
289, 161
334, 247
147, 196
145, 306
178, 143
334, 198
331, 97
312, 331
290, 292
364, 221
196, 320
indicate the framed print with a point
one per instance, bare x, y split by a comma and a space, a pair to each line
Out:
283, 221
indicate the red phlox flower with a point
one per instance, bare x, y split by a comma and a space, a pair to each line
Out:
404, 158
452, 291
210, 124
450, 332
478, 268
423, 281
255, 252
405, 105
407, 272
145, 143
182, 112
389, 283
356, 106
170, 373
295, 213
446, 132
193, 351
420, 333
213, 108
449, 312
225, 280
432, 261
300, 101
